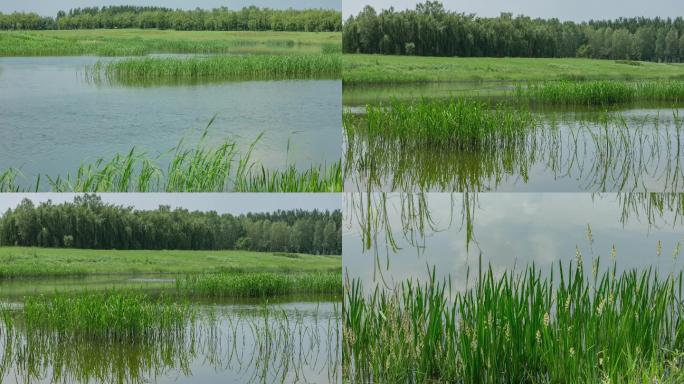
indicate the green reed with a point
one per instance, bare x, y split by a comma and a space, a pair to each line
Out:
198, 168
600, 92
519, 327
316, 178
458, 124
262, 285
607, 152
244, 67
114, 316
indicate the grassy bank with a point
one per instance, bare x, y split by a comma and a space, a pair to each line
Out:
216, 68
260, 284
379, 69
135, 42
36, 262
575, 326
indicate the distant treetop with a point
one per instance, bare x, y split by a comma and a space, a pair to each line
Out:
430, 30
219, 19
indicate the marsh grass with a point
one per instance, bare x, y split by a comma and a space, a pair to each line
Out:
260, 344
607, 152
259, 285
111, 316
458, 124
600, 93
215, 68
201, 167
519, 327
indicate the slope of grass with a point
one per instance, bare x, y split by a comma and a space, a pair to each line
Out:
369, 69
36, 262
134, 42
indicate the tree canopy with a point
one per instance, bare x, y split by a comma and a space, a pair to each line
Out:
430, 30
219, 19
90, 223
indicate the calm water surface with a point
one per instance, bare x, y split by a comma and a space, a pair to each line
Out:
52, 119
510, 231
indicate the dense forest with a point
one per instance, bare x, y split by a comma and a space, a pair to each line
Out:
220, 19
430, 30
90, 223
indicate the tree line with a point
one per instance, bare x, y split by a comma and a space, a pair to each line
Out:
90, 223
219, 19
430, 30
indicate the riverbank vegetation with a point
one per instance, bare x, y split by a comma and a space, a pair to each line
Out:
388, 69
431, 30
216, 68
217, 19
34, 262
138, 42
260, 285
518, 327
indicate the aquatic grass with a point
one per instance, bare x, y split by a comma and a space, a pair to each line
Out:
316, 178
607, 152
518, 327
111, 316
203, 167
601, 93
457, 124
261, 285
245, 67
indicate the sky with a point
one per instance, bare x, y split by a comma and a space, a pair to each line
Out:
50, 8
234, 203
577, 10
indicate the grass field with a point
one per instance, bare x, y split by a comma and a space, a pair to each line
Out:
129, 42
378, 69
36, 262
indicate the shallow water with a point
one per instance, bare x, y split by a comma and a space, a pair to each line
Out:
52, 119
287, 339
509, 231
571, 151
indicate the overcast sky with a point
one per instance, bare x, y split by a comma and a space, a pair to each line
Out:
577, 10
235, 203
50, 8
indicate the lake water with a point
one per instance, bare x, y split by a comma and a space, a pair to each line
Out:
288, 339
639, 150
509, 231
52, 119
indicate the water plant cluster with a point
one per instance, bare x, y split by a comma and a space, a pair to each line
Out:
72, 344
600, 93
469, 146
198, 168
574, 326
262, 285
134, 71
458, 124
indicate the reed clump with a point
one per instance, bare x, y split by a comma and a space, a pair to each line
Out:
233, 67
600, 93
456, 124
520, 327
259, 285
111, 316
